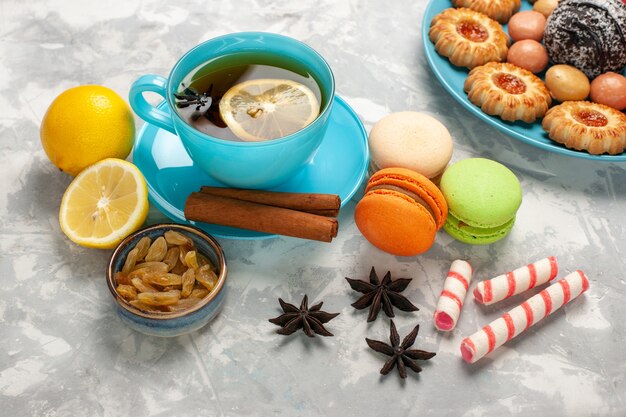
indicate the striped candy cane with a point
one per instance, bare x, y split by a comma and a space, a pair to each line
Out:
504, 286
505, 328
451, 298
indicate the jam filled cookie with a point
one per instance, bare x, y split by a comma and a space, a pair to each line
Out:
468, 38
513, 93
500, 10
583, 125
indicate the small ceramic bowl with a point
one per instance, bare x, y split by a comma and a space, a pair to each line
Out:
170, 324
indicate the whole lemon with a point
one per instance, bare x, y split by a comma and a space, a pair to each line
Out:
84, 125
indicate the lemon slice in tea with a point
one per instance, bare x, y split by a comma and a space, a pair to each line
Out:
104, 204
264, 109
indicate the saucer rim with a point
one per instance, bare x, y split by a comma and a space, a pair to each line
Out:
161, 203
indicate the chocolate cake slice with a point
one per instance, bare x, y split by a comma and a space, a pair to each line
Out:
589, 35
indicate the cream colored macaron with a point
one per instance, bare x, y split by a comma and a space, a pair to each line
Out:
410, 140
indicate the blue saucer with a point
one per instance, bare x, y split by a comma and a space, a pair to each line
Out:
338, 167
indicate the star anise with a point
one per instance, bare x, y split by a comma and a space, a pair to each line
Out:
207, 104
385, 294
190, 97
400, 353
310, 320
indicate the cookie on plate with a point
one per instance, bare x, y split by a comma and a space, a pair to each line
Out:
468, 38
583, 125
589, 35
500, 10
508, 91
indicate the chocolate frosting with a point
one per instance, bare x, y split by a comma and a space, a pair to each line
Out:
589, 35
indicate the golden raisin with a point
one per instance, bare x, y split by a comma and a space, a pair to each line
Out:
159, 298
177, 239
157, 250
171, 257
206, 277
184, 303
128, 292
191, 260
142, 286
131, 259
151, 266
188, 280
122, 278
162, 278
142, 246
199, 291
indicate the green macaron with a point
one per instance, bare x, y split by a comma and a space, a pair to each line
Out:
483, 197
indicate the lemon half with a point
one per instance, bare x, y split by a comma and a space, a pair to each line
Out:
104, 203
264, 109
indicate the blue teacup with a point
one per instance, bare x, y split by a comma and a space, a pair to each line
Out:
241, 164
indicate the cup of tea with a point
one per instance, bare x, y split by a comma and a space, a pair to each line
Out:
250, 108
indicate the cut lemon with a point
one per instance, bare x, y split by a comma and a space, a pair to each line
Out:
266, 109
105, 203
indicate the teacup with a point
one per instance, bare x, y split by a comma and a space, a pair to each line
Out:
263, 164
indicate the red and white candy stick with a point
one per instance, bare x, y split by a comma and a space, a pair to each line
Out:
451, 298
504, 286
505, 328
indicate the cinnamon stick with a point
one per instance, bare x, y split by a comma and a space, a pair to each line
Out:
321, 204
325, 213
231, 212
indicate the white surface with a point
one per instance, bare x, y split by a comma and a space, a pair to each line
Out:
64, 352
